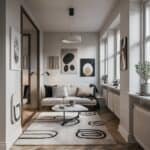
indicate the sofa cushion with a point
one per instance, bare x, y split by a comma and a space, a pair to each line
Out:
85, 91
51, 101
80, 100
72, 90
48, 90
60, 92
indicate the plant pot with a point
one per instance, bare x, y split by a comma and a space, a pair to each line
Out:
145, 89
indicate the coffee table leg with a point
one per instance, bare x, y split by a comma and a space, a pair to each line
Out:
71, 119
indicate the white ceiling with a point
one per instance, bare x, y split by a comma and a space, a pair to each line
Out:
53, 14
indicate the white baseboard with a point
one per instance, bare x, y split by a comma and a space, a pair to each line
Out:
126, 135
2, 146
123, 132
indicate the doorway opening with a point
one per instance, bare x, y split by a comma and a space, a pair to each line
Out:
30, 37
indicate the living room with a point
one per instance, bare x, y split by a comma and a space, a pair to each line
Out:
74, 74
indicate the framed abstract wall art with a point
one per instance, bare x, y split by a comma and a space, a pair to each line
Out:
15, 50
87, 67
53, 62
69, 61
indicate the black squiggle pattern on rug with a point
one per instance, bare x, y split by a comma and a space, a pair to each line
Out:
90, 134
96, 123
88, 113
73, 122
38, 134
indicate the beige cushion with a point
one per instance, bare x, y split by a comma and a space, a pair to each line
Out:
72, 90
80, 100
60, 91
85, 91
51, 101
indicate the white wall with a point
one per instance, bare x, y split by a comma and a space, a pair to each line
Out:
13, 78
123, 9
87, 49
124, 75
129, 81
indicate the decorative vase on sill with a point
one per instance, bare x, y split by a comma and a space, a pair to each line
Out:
105, 78
143, 69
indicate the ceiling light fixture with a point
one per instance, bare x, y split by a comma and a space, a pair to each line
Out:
72, 38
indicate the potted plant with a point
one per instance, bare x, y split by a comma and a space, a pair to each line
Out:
105, 78
143, 69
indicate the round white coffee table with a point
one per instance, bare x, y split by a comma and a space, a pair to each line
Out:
69, 108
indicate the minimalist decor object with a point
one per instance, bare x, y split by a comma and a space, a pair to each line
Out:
87, 67
69, 61
143, 69
72, 38
124, 54
15, 50
90, 134
53, 62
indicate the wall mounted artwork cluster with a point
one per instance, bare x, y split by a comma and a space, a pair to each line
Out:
69, 65
69, 61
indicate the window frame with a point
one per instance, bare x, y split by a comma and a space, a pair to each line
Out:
116, 53
112, 56
143, 30
104, 60
117, 68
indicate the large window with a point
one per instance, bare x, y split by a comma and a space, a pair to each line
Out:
111, 56
118, 55
147, 31
103, 58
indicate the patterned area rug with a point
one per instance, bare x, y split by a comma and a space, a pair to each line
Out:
46, 129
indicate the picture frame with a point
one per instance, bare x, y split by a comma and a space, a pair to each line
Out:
69, 61
53, 62
15, 50
87, 67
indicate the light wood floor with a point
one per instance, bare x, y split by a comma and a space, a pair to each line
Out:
111, 125
27, 114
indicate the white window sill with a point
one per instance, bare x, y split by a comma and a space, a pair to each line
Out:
143, 101
111, 87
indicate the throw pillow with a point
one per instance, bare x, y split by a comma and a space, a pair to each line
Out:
48, 90
72, 90
60, 92
85, 91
